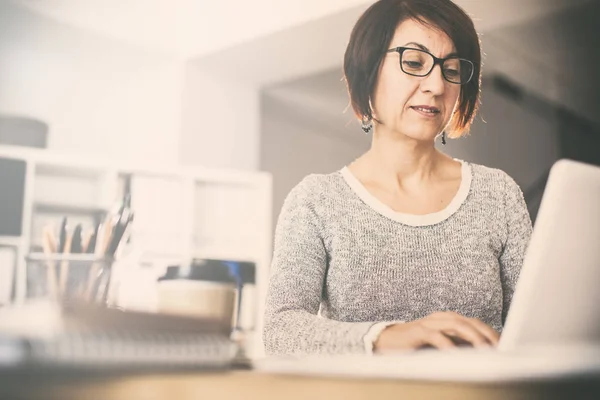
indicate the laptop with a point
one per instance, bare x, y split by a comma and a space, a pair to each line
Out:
557, 297
553, 326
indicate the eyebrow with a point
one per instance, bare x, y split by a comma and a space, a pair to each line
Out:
424, 48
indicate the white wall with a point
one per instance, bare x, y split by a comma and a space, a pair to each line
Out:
220, 121
295, 144
100, 97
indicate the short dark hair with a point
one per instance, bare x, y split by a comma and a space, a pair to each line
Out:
372, 36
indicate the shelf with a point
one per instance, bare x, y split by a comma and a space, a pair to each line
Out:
181, 212
82, 172
13, 241
67, 209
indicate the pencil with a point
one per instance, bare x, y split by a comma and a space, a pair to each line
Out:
64, 265
49, 247
97, 254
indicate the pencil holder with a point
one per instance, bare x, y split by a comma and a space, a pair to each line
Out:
69, 278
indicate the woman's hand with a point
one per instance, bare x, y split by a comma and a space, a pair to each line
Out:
441, 330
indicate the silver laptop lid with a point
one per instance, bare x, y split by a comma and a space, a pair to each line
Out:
557, 297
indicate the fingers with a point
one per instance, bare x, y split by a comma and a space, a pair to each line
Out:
462, 328
466, 331
491, 335
438, 340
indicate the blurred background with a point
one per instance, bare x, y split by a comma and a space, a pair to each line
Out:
208, 113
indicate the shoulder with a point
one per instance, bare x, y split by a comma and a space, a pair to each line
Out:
315, 187
308, 202
316, 195
493, 179
499, 192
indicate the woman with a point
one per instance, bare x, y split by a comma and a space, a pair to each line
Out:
405, 247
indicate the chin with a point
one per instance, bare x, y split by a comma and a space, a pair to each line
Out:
421, 136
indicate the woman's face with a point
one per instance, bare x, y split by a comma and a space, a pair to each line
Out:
399, 97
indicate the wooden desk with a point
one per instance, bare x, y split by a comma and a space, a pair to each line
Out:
259, 386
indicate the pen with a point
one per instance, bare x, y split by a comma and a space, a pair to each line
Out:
124, 236
49, 247
96, 249
118, 232
62, 239
102, 242
76, 247
64, 265
91, 247
62, 236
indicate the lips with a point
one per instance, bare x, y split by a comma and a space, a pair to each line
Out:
426, 109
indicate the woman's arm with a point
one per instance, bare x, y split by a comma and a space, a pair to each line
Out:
518, 229
298, 269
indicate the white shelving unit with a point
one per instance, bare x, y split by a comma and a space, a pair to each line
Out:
180, 212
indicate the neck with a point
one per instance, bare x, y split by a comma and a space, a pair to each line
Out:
401, 160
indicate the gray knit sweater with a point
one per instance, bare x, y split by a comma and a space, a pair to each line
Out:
344, 261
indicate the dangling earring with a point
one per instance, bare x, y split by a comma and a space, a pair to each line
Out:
367, 124
444, 137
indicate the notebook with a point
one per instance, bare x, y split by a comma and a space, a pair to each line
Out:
83, 336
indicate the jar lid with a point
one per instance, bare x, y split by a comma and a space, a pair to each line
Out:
200, 270
244, 271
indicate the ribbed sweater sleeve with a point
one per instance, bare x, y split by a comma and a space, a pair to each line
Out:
299, 264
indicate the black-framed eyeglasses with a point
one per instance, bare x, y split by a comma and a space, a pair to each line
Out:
418, 62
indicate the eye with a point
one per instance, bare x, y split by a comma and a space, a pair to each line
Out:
413, 64
450, 72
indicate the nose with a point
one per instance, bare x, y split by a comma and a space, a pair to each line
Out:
434, 82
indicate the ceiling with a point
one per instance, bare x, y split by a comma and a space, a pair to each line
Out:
216, 32
184, 28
